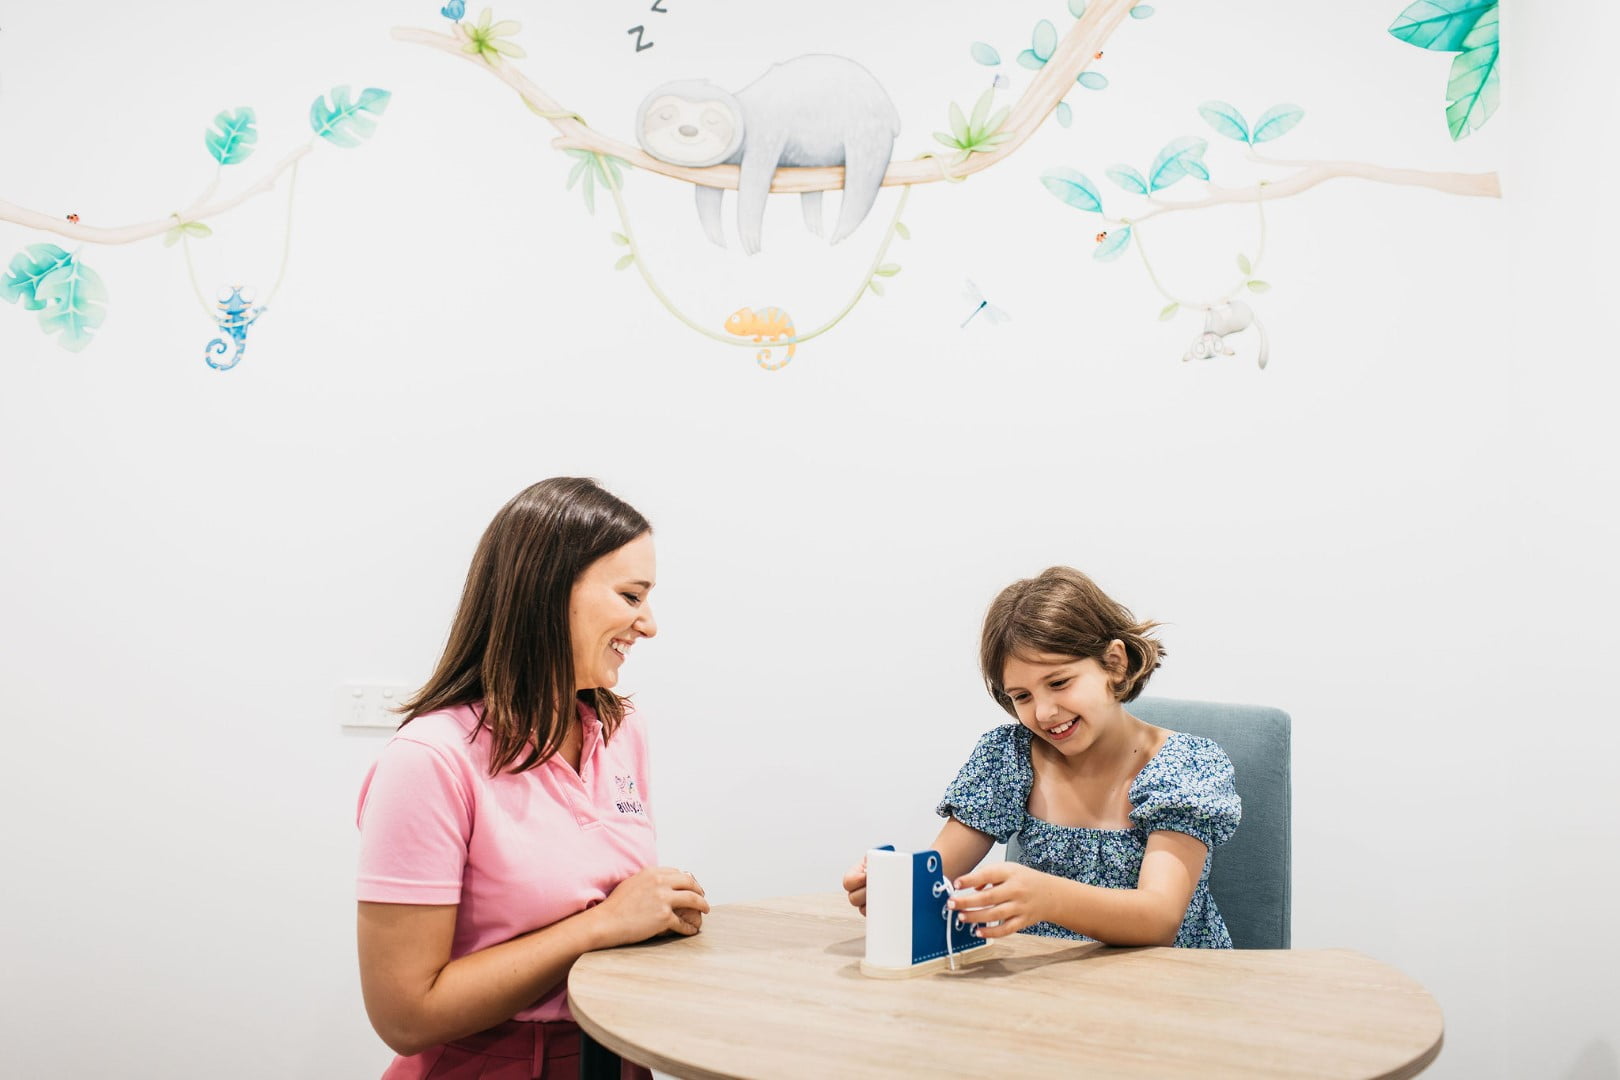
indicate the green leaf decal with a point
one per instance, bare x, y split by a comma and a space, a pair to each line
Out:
344, 123
1073, 188
75, 304
1474, 88
231, 138
901, 231
624, 261
875, 286
1258, 286
1275, 121
1113, 245
28, 268
1243, 265
1128, 178
1225, 119
1440, 25
985, 54
1169, 311
1173, 162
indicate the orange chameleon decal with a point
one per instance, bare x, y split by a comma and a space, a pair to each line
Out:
766, 323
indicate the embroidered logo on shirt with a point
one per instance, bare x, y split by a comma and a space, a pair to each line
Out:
627, 802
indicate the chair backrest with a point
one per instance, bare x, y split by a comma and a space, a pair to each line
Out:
1251, 878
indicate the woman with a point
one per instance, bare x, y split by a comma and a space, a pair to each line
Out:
505, 829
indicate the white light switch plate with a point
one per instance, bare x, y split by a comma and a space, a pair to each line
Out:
370, 705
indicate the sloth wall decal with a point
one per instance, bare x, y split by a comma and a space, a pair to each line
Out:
822, 122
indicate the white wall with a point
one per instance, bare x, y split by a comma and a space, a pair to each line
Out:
1402, 532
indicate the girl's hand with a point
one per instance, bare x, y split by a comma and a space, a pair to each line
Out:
855, 884
659, 899
1016, 897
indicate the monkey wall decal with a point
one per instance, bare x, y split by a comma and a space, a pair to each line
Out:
1222, 321
812, 110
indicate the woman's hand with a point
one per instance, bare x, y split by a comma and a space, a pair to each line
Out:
855, 884
1011, 894
657, 900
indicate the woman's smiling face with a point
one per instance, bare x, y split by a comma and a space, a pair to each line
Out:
608, 612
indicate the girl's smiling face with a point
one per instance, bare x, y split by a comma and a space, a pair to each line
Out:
1067, 702
608, 612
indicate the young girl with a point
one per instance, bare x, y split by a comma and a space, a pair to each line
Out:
1116, 820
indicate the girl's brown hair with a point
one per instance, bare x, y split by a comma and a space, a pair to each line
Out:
510, 645
1064, 612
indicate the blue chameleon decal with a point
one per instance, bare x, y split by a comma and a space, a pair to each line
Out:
234, 319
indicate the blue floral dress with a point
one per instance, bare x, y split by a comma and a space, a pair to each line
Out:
1186, 787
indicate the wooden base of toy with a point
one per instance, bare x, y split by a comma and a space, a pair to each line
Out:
929, 967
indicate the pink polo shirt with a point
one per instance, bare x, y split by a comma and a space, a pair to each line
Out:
516, 851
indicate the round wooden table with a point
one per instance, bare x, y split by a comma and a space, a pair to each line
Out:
774, 989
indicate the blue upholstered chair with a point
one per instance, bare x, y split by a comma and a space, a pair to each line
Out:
1251, 879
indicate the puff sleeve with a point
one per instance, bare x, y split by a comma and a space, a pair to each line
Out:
991, 791
1188, 788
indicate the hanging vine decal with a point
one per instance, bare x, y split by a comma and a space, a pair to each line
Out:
71, 298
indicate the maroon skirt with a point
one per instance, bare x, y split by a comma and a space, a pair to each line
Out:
515, 1050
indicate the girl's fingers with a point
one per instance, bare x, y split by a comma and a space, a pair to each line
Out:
984, 875
1008, 926
984, 914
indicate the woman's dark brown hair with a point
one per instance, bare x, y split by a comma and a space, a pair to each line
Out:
1063, 612
510, 645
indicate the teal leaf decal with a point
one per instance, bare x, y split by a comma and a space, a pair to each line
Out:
75, 304
1092, 80
1113, 245
985, 55
1275, 121
1077, 8
1042, 43
231, 138
1073, 188
1225, 119
1128, 178
1440, 25
1172, 163
28, 268
1142, 11
1065, 115
1474, 88
345, 123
